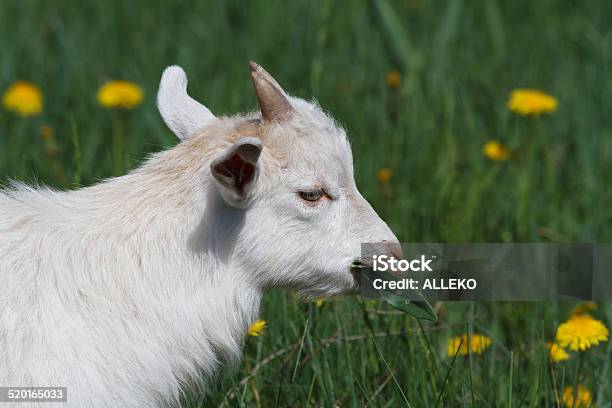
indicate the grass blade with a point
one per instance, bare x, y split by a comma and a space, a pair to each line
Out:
390, 371
398, 39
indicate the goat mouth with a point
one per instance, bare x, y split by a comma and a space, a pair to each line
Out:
356, 268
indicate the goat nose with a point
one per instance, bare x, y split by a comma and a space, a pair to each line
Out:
393, 248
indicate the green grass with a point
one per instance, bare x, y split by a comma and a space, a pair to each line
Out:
459, 61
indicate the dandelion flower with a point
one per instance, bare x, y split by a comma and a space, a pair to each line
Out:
120, 95
455, 343
583, 397
478, 344
257, 328
384, 175
319, 302
557, 353
394, 78
583, 308
496, 151
531, 102
581, 332
23, 98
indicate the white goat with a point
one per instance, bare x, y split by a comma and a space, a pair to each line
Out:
129, 290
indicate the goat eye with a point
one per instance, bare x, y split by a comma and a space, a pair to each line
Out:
312, 196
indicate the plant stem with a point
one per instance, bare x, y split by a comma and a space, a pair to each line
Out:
551, 372
118, 145
510, 385
469, 357
577, 378
252, 384
76, 158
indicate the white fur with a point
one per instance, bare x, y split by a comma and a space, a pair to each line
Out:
133, 289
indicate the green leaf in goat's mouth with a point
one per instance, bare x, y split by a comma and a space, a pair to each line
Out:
420, 309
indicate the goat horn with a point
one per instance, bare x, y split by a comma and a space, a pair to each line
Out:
273, 101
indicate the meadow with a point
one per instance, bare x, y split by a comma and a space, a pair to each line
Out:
422, 88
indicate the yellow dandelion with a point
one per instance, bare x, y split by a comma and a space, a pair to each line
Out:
556, 353
384, 175
257, 328
531, 102
583, 397
496, 151
23, 98
455, 343
319, 302
120, 95
478, 344
583, 308
581, 332
394, 79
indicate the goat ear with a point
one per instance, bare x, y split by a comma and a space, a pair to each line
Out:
182, 114
237, 168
